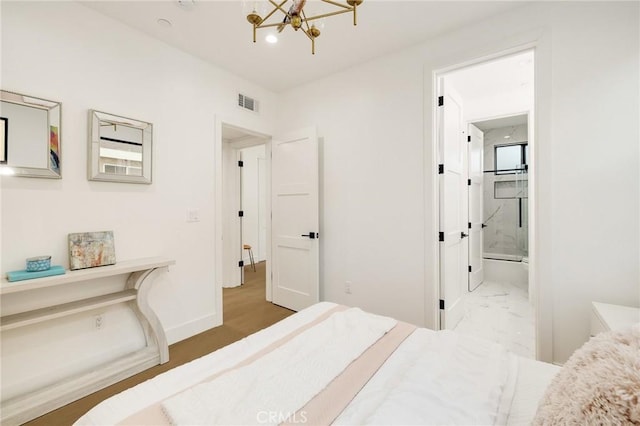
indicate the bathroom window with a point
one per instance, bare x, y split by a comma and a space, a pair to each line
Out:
510, 158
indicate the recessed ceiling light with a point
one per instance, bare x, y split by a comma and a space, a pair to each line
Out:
271, 38
507, 137
164, 23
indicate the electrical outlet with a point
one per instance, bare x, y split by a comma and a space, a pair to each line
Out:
99, 321
193, 215
347, 287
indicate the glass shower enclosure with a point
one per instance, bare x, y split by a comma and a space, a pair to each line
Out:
506, 205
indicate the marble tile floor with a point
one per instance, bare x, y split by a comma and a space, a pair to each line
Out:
501, 312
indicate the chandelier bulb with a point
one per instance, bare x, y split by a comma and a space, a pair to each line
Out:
314, 31
254, 18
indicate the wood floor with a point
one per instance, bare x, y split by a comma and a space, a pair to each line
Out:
245, 311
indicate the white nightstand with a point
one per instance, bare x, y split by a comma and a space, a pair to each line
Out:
605, 317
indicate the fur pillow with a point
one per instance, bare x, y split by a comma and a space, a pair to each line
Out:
599, 384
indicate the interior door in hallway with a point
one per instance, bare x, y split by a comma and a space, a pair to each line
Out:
295, 219
453, 214
476, 161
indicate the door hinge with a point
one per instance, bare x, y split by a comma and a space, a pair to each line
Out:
440, 169
440, 100
470, 268
442, 304
469, 225
469, 138
240, 213
241, 263
469, 182
240, 163
440, 236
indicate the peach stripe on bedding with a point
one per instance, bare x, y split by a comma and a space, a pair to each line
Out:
326, 406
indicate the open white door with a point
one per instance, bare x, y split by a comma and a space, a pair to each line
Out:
476, 162
295, 221
453, 207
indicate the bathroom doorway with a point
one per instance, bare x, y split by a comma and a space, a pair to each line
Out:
490, 135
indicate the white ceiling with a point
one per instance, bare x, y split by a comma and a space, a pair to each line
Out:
510, 74
217, 31
498, 123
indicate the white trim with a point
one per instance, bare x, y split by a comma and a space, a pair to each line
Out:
193, 327
540, 178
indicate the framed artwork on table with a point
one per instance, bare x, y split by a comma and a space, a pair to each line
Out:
91, 249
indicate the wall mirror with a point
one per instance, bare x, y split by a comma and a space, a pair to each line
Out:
29, 136
119, 148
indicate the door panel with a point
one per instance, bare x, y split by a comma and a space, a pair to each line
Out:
453, 207
295, 258
476, 162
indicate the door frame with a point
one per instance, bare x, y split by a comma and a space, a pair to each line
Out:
258, 132
540, 250
470, 204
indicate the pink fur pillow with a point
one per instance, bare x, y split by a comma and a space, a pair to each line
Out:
599, 384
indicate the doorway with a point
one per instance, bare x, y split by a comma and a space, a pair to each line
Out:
291, 169
476, 295
245, 237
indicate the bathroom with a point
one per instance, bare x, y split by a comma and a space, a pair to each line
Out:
500, 307
499, 303
505, 200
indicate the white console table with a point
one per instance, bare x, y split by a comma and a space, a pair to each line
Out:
141, 273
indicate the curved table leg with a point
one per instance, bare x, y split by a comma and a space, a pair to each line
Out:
151, 326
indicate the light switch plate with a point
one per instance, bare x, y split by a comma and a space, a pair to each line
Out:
193, 215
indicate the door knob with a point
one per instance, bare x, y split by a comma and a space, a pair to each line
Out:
484, 226
462, 235
311, 235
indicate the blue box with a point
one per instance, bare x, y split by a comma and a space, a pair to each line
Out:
26, 275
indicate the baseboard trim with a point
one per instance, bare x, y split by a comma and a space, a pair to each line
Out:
193, 327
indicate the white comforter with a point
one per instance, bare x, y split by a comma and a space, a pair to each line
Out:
433, 377
438, 378
282, 381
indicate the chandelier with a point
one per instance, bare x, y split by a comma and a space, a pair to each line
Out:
295, 16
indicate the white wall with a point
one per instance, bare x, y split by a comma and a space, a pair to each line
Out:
501, 104
254, 231
379, 223
64, 51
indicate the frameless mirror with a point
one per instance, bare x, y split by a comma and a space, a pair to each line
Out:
29, 136
119, 148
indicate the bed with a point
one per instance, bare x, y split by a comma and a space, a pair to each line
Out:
333, 364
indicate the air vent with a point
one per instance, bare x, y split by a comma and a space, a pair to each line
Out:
246, 102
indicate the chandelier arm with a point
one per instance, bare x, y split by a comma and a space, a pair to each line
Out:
324, 15
355, 17
304, 20
277, 7
269, 25
335, 3
308, 35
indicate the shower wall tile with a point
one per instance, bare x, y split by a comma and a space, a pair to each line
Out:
502, 234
